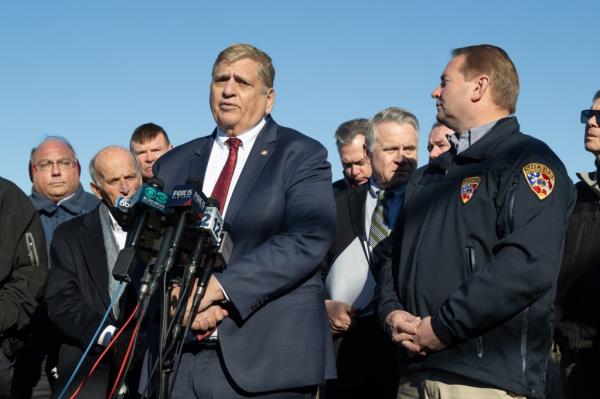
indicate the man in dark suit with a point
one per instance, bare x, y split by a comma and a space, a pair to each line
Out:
350, 142
366, 362
80, 283
274, 343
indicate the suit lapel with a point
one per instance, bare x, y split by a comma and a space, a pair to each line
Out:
262, 151
94, 253
198, 164
356, 207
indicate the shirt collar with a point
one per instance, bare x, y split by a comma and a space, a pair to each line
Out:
73, 203
463, 141
246, 137
116, 227
374, 189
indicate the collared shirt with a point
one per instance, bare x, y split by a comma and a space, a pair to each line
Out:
218, 157
118, 232
120, 237
463, 141
53, 214
394, 203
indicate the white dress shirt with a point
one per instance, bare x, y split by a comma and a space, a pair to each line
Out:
120, 237
219, 154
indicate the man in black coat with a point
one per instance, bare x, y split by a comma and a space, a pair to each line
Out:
366, 361
23, 271
577, 299
80, 285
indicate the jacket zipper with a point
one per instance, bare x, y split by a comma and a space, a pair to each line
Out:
524, 333
525, 325
470, 252
511, 203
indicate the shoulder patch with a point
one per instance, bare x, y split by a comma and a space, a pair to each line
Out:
468, 187
540, 179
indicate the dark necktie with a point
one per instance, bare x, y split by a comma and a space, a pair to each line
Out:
220, 192
222, 186
379, 221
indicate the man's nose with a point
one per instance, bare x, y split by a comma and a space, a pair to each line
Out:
228, 89
592, 121
124, 187
55, 169
436, 92
399, 156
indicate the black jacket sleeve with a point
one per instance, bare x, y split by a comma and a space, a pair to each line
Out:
23, 258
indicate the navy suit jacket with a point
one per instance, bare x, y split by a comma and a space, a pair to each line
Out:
282, 218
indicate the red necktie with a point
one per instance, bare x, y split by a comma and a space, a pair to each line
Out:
222, 186
221, 189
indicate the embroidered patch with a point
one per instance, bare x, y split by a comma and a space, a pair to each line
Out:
468, 187
540, 179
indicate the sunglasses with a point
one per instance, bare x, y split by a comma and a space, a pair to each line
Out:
586, 114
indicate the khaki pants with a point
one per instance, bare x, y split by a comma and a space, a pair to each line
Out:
443, 385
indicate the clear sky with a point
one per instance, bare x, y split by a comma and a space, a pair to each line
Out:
92, 71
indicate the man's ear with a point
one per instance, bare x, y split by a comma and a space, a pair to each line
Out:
96, 190
480, 88
270, 100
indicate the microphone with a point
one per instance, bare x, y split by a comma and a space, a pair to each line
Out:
146, 198
222, 248
147, 203
184, 198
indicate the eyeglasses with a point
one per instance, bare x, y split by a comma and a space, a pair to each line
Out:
62, 164
586, 114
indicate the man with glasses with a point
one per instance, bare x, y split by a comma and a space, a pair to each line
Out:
577, 300
350, 141
58, 196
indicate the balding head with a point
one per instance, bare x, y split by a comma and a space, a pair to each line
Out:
114, 172
54, 169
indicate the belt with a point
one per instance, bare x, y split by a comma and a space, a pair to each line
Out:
197, 346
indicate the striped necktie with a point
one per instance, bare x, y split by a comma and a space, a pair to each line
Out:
379, 227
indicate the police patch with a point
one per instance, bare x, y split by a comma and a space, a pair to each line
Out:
540, 179
468, 187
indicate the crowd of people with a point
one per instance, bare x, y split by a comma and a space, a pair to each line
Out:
393, 282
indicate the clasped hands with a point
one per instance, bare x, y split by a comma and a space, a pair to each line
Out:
413, 333
210, 312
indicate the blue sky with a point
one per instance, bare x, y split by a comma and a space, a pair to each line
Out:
92, 71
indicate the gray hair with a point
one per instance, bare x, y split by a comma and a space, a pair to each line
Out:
242, 51
348, 130
95, 174
60, 139
391, 114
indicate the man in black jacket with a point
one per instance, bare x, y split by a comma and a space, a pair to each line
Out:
577, 300
468, 285
365, 355
23, 270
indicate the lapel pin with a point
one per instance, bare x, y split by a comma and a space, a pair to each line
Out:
263, 152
